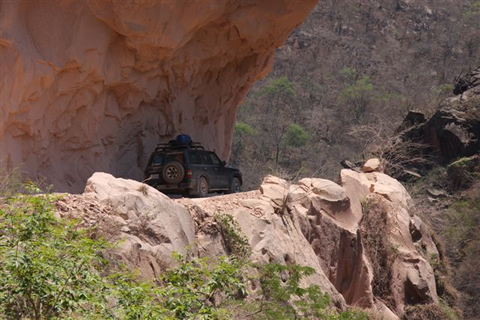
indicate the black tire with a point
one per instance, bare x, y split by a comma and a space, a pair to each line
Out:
235, 186
173, 172
202, 187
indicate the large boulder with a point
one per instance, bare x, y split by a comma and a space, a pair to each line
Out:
146, 225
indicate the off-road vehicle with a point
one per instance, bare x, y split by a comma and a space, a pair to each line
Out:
183, 166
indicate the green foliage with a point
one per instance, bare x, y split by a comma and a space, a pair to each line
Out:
48, 267
280, 86
51, 269
472, 10
357, 95
132, 299
446, 88
282, 296
244, 129
195, 289
307, 302
359, 90
235, 241
296, 136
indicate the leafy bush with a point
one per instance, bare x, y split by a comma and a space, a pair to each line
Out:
280, 86
48, 267
357, 95
296, 136
51, 268
196, 288
244, 129
278, 290
235, 241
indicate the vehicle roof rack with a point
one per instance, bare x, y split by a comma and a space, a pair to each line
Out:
174, 145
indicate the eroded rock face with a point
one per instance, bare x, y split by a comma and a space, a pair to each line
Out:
93, 86
360, 236
367, 248
147, 225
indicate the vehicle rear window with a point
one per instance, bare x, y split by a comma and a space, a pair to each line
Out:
175, 157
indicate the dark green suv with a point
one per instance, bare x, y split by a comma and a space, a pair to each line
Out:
183, 166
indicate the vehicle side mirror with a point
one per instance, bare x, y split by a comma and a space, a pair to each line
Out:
224, 163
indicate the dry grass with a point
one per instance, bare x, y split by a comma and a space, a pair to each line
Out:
10, 180
396, 153
381, 253
432, 311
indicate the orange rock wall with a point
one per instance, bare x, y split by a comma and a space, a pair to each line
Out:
94, 85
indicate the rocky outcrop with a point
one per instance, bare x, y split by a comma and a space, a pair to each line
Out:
146, 225
452, 132
91, 86
360, 236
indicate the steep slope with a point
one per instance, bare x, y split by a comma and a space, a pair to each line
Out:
354, 69
93, 86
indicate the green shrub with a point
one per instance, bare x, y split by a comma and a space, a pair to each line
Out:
244, 129
196, 289
296, 136
235, 241
48, 267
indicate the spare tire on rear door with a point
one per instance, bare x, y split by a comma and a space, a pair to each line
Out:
173, 172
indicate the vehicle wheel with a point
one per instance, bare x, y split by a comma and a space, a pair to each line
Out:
173, 172
202, 187
235, 186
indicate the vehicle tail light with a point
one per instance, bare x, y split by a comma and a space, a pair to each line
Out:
189, 174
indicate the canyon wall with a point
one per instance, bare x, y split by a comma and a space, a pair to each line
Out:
93, 86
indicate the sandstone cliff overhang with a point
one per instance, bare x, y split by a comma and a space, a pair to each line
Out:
91, 86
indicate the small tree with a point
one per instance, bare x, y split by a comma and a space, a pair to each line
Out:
296, 136
242, 132
357, 96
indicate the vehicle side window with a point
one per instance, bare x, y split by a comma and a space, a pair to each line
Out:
157, 160
205, 158
214, 159
195, 157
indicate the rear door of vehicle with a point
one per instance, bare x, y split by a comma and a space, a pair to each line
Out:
210, 169
154, 169
221, 173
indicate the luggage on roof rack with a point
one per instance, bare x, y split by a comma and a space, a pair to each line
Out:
184, 139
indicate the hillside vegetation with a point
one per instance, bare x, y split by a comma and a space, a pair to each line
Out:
345, 79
